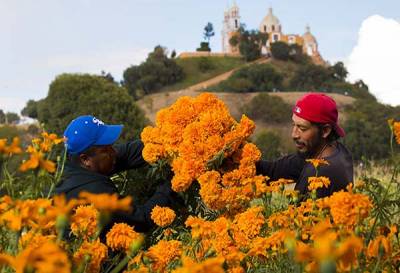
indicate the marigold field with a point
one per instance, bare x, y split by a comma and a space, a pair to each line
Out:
232, 221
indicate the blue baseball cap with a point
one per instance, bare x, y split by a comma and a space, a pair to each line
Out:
86, 131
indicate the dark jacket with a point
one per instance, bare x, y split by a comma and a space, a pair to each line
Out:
129, 156
294, 166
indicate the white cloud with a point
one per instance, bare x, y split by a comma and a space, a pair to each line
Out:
376, 58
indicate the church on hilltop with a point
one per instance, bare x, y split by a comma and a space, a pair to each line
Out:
272, 26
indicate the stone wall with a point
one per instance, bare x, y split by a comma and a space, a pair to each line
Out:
207, 54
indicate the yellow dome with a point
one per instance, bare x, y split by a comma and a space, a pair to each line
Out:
270, 23
308, 37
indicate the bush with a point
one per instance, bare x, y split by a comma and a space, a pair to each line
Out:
271, 109
280, 51
205, 64
269, 144
204, 46
367, 133
261, 77
311, 77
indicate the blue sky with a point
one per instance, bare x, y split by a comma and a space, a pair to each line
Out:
40, 39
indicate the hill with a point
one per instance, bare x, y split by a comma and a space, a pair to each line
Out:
200, 69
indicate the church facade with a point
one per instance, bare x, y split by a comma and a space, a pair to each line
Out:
272, 26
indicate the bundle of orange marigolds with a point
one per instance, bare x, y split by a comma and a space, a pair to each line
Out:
194, 136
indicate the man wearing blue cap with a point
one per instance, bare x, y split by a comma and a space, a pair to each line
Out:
92, 158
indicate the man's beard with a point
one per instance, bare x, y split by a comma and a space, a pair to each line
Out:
313, 151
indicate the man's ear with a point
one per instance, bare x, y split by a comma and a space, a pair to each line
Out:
326, 130
84, 159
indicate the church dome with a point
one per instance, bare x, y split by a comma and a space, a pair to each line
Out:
308, 37
270, 23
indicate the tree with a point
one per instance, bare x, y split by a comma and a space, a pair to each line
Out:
156, 72
296, 54
107, 76
234, 40
250, 43
208, 32
339, 71
12, 118
173, 54
204, 46
367, 135
280, 51
267, 108
71, 95
311, 77
2, 117
31, 109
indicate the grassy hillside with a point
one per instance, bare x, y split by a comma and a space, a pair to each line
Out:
194, 74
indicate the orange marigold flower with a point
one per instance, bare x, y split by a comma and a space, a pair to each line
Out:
163, 253
317, 161
3, 144
250, 152
396, 131
259, 246
181, 182
348, 208
35, 239
14, 147
49, 140
37, 160
153, 152
324, 245
84, 221
12, 219
5, 203
61, 207
97, 252
107, 202
316, 182
236, 269
199, 228
210, 190
303, 252
282, 181
380, 242
122, 236
46, 258
210, 265
247, 225
162, 216
348, 251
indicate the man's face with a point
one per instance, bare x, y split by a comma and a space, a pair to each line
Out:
306, 136
102, 159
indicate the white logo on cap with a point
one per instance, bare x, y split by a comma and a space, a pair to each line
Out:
297, 110
98, 122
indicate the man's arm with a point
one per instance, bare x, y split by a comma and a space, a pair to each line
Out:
129, 156
288, 167
141, 216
